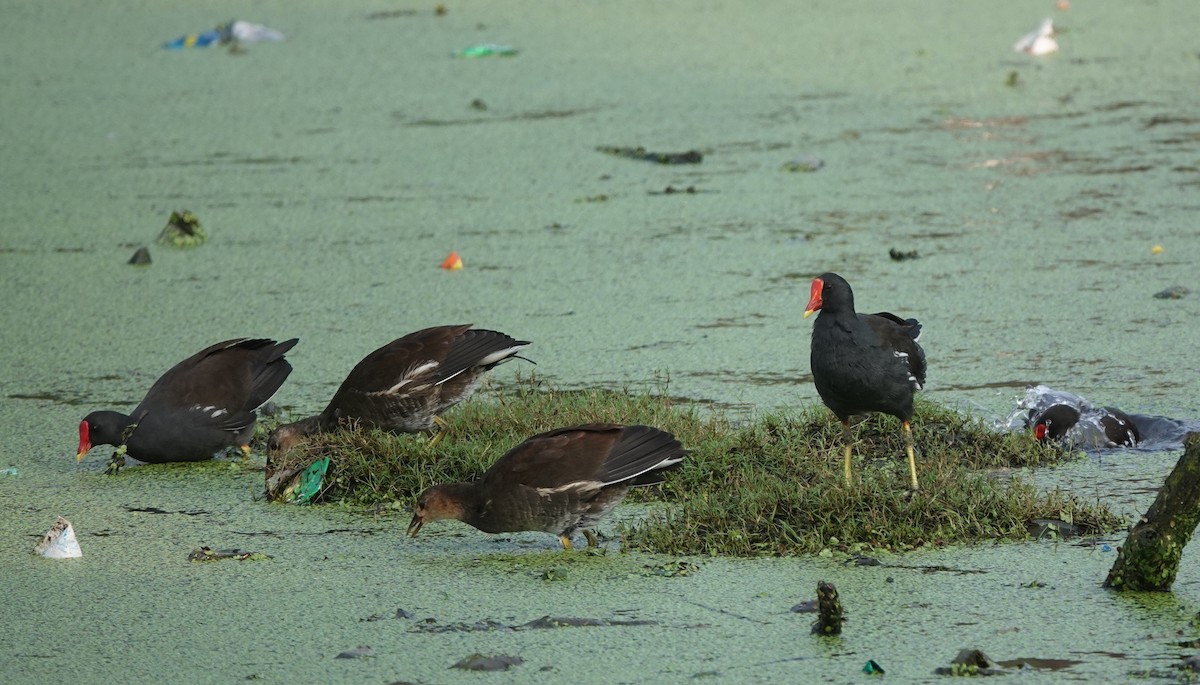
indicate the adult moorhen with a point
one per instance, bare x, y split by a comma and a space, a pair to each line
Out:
403, 386
1118, 428
201, 406
864, 363
558, 482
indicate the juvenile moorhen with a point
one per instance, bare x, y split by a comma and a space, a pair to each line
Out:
403, 386
558, 482
863, 363
1056, 420
201, 406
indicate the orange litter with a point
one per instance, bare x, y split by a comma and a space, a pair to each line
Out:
453, 262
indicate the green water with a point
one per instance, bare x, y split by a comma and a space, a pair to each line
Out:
333, 173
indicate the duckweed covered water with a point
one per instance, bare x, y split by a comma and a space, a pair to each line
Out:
334, 171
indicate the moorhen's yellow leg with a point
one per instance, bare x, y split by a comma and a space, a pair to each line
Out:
591, 538
566, 541
443, 428
846, 449
912, 460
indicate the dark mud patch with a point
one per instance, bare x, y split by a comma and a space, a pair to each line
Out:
480, 662
643, 155
547, 622
201, 554
760, 378
533, 115
156, 510
756, 321
62, 398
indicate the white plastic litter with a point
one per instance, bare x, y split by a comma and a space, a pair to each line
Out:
1039, 41
59, 542
245, 32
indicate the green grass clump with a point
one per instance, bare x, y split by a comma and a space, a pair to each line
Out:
372, 468
773, 486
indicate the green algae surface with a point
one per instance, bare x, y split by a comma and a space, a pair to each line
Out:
335, 170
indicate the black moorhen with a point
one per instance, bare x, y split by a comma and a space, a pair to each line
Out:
201, 406
403, 386
1056, 420
558, 482
864, 363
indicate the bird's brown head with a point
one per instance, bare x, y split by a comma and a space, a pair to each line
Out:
437, 503
814, 299
283, 438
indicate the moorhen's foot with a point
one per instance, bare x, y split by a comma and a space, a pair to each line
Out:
116, 463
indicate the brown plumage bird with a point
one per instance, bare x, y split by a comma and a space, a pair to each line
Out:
403, 386
863, 363
202, 405
558, 482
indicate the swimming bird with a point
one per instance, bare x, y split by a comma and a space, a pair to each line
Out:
558, 482
863, 363
201, 406
1106, 427
405, 385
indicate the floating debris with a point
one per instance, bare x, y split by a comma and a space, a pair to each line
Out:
805, 607
59, 542
547, 622
141, 257
1175, 292
210, 554
356, 653
1157, 249
224, 34
479, 662
183, 229
1039, 41
479, 105
804, 164
486, 50
872, 667
1051, 529
306, 485
970, 662
10, 471
672, 190
1013, 79
453, 262
640, 153
544, 623
672, 569
901, 255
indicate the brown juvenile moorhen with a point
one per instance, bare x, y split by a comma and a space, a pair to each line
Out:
201, 406
403, 386
558, 482
1056, 420
863, 363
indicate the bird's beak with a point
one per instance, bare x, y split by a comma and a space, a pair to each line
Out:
414, 526
1039, 432
814, 299
85, 442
